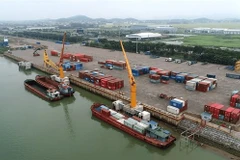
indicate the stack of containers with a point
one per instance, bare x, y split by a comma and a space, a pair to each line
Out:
235, 114
55, 53
173, 74
81, 57
213, 83
190, 76
214, 109
235, 100
120, 65
192, 84
104, 81
154, 78
164, 76
177, 105
140, 70
180, 77
165, 79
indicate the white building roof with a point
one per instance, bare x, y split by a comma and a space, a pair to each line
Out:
144, 35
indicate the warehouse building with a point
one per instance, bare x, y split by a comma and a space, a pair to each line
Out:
215, 31
146, 35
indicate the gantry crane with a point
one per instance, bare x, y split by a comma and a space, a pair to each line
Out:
133, 87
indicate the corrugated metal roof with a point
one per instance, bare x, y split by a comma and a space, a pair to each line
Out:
144, 35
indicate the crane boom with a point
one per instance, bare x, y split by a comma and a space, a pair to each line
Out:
133, 87
61, 55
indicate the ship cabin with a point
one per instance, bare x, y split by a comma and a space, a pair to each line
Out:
154, 131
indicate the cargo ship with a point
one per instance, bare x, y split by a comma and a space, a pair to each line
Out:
42, 91
147, 131
47, 82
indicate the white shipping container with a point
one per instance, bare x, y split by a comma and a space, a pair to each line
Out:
142, 125
196, 80
145, 115
191, 83
121, 121
173, 110
112, 112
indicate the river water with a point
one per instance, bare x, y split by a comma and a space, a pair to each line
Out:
34, 129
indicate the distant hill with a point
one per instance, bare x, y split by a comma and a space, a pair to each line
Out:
83, 18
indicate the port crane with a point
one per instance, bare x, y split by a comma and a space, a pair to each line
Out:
132, 108
57, 66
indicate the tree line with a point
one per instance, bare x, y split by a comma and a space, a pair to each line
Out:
192, 53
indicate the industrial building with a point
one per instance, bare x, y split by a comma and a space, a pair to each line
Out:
215, 31
165, 29
146, 35
40, 28
139, 27
4, 43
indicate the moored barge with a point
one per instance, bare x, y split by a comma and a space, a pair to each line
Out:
42, 91
64, 89
147, 131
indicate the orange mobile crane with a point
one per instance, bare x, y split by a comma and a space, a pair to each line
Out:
132, 108
58, 66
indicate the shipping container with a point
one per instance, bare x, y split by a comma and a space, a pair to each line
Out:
173, 110
227, 114
164, 72
235, 116
203, 86
217, 109
105, 112
235, 76
211, 75
154, 76
104, 81
165, 78
180, 78
233, 100
154, 81
176, 103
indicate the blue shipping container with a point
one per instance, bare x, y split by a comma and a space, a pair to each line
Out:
176, 103
105, 107
179, 78
154, 81
172, 77
235, 76
165, 78
211, 76
221, 117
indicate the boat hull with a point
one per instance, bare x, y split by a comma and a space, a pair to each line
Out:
49, 83
40, 90
113, 122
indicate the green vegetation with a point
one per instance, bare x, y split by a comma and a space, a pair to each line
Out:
213, 40
208, 25
3, 49
196, 53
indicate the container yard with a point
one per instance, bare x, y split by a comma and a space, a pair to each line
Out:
179, 80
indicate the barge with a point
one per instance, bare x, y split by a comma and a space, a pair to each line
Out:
42, 91
47, 82
147, 131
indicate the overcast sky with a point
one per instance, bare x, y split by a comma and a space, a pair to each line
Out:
140, 9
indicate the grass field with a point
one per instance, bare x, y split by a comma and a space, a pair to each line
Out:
209, 25
213, 40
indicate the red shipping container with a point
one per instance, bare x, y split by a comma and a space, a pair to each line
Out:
97, 80
162, 72
202, 86
227, 114
104, 81
109, 61
105, 112
90, 58
112, 84
235, 116
55, 53
153, 68
217, 109
207, 107
84, 59
223, 110
154, 76
164, 82
233, 100
118, 83
67, 55
73, 58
